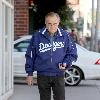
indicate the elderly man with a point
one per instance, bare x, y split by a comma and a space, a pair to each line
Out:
50, 52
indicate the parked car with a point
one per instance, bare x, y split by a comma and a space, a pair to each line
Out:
87, 65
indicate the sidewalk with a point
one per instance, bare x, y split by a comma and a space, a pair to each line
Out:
87, 90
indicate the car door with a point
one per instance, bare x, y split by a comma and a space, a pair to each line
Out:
19, 57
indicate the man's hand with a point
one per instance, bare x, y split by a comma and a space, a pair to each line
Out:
29, 80
62, 66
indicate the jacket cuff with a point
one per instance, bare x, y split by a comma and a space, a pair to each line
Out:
30, 73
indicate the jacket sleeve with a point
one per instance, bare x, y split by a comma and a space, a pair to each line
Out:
71, 51
30, 57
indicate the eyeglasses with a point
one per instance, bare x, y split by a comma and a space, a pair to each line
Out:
54, 24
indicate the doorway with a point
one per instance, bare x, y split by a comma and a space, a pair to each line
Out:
6, 40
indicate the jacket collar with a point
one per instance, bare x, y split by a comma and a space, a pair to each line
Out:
44, 32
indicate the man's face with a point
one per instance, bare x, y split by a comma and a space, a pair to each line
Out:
52, 23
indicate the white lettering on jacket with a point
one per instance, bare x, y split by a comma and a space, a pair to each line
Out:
45, 47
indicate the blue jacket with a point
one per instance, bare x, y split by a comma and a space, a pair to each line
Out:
45, 53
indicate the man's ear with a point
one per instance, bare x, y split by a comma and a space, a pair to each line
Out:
59, 20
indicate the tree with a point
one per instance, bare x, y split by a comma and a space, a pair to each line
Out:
66, 14
62, 8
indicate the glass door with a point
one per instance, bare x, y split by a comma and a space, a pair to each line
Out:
7, 32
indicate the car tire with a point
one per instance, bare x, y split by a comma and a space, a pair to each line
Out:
73, 76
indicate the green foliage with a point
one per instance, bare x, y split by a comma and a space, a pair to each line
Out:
66, 14
36, 16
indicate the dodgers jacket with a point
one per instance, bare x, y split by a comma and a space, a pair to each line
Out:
44, 53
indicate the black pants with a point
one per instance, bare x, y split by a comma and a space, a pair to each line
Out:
46, 83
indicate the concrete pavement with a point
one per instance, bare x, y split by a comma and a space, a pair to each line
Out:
87, 90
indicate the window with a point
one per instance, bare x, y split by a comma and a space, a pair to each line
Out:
10, 1
21, 46
7, 34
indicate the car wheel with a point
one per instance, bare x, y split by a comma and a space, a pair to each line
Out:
73, 76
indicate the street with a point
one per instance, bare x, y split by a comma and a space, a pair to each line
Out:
87, 90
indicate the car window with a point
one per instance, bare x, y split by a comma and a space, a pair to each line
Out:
15, 50
21, 46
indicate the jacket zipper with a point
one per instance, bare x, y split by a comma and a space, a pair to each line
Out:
51, 40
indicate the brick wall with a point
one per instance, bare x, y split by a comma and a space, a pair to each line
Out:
21, 22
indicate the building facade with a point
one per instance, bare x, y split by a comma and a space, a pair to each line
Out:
23, 15
6, 48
